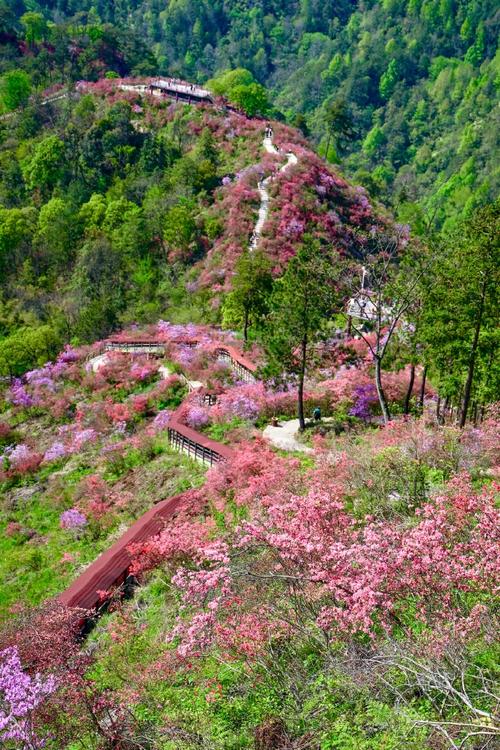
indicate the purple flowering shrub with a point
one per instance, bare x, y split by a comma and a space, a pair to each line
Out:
19, 459
160, 422
55, 452
365, 397
19, 396
20, 696
244, 407
197, 417
72, 519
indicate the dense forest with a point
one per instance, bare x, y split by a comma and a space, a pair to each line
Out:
401, 93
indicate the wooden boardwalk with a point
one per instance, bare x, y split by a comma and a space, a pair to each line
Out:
111, 569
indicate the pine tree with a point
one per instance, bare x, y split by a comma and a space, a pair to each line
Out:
302, 302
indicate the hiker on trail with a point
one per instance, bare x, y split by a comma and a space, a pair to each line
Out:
317, 414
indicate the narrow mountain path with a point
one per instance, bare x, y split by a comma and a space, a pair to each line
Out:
284, 436
264, 192
112, 567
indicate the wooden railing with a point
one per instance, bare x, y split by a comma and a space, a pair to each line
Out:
146, 347
239, 364
179, 90
195, 448
111, 569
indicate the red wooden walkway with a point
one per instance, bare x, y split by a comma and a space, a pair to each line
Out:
111, 568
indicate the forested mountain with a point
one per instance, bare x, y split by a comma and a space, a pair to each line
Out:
249, 375
403, 93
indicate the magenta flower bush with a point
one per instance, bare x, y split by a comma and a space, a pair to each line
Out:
244, 407
160, 422
68, 355
19, 396
143, 371
365, 398
197, 417
83, 436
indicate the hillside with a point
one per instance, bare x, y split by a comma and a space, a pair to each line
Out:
289, 599
249, 375
119, 208
403, 93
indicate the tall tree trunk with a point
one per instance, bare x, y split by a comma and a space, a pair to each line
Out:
245, 326
474, 413
445, 408
438, 412
380, 391
410, 389
328, 145
422, 389
472, 359
302, 373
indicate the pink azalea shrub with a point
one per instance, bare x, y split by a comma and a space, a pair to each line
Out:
20, 459
143, 371
363, 575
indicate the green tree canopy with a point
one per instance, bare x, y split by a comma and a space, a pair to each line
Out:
302, 302
46, 166
15, 89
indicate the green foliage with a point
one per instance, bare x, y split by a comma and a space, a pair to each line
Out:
302, 301
15, 88
386, 62
460, 309
35, 27
375, 138
388, 80
45, 167
248, 302
242, 90
27, 348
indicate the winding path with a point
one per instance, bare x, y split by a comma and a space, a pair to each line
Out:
264, 192
284, 436
111, 569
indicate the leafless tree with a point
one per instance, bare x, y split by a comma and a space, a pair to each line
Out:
462, 694
392, 280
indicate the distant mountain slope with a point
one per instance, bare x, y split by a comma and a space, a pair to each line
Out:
415, 79
116, 207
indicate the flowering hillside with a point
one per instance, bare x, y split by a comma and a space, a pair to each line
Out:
248, 443
292, 598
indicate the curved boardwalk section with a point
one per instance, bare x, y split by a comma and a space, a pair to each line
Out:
111, 568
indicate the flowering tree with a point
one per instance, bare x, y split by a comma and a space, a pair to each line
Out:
319, 567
